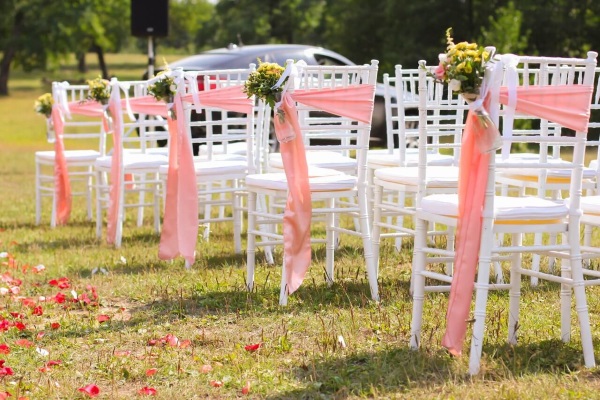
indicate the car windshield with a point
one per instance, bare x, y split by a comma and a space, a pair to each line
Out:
209, 61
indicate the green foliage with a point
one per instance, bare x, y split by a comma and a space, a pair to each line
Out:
505, 31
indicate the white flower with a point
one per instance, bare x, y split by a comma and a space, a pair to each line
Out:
442, 57
42, 352
454, 85
4, 254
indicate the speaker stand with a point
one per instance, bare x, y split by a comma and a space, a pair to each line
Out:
150, 57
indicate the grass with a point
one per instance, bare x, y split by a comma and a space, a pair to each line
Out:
141, 300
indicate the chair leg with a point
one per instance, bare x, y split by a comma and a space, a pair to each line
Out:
251, 241
330, 243
418, 282
261, 204
99, 208
514, 294
376, 233
144, 182
237, 221
565, 302
89, 192
365, 229
283, 293
481, 297
156, 202
38, 194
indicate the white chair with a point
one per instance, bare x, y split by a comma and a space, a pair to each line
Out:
395, 187
514, 216
84, 139
139, 171
227, 147
328, 187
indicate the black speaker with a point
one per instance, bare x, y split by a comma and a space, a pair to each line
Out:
149, 17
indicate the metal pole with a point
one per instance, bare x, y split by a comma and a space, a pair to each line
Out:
150, 57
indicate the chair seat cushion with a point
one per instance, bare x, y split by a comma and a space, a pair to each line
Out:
320, 179
134, 161
411, 159
531, 174
238, 148
70, 155
319, 159
590, 204
437, 176
505, 208
212, 168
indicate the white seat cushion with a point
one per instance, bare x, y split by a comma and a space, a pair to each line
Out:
320, 179
232, 148
164, 151
411, 159
70, 155
214, 167
505, 208
590, 204
437, 176
135, 161
319, 159
221, 157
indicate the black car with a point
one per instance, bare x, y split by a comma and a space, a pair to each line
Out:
241, 56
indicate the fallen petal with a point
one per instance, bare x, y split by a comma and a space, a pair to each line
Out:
216, 383
147, 391
253, 347
91, 390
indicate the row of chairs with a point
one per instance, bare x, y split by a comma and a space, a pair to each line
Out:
532, 203
402, 192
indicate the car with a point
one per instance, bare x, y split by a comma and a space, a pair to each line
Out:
235, 56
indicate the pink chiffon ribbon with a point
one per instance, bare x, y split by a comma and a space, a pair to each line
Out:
180, 227
354, 102
566, 105
62, 184
180, 223
116, 166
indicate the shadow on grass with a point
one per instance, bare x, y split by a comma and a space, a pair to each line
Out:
397, 370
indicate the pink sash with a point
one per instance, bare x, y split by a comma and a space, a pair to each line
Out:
354, 102
180, 227
116, 166
62, 184
566, 105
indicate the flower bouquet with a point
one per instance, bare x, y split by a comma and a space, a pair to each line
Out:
43, 105
99, 90
164, 89
463, 69
262, 83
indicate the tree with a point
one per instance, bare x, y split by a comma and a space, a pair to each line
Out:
504, 31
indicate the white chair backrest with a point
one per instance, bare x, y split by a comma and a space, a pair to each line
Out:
335, 133
80, 132
554, 71
215, 129
140, 131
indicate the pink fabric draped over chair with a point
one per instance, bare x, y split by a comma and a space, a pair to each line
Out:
62, 183
179, 234
568, 106
354, 102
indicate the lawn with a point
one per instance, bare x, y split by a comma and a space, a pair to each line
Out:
79, 314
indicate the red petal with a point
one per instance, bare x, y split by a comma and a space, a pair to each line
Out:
4, 395
52, 363
246, 388
38, 310
205, 369
253, 347
149, 391
40, 335
91, 390
151, 371
55, 325
216, 383
23, 343
185, 343
20, 326
172, 340
152, 342
103, 318
4, 349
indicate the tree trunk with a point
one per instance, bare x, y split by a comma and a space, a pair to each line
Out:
81, 65
100, 53
9, 53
